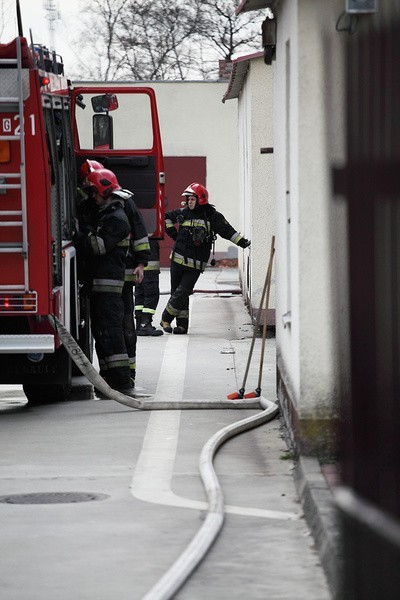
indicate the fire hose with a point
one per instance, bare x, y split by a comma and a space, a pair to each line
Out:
180, 571
82, 362
194, 553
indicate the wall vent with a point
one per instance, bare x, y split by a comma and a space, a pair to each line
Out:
361, 6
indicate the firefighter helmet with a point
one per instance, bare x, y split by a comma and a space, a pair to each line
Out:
104, 181
198, 190
87, 167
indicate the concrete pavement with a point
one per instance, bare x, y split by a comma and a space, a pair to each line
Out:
145, 465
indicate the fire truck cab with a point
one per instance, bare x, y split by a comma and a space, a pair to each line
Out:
47, 130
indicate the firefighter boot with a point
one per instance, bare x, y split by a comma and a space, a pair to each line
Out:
179, 330
166, 326
147, 328
182, 324
128, 391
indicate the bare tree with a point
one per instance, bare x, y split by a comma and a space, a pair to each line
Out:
156, 37
225, 32
164, 39
100, 39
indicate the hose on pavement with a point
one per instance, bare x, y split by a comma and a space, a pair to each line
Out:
179, 572
140, 402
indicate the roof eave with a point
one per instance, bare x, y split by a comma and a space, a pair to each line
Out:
247, 5
240, 66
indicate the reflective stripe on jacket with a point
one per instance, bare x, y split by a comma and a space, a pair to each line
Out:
195, 235
154, 261
139, 250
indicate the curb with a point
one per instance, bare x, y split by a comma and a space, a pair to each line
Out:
319, 510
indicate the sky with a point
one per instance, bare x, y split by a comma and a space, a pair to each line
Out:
34, 17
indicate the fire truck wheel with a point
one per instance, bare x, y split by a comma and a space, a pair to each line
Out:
45, 394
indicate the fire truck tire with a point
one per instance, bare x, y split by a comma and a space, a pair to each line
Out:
44, 394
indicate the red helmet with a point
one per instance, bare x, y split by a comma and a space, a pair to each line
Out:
87, 167
103, 180
198, 190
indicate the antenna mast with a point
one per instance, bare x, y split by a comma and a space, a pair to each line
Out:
52, 15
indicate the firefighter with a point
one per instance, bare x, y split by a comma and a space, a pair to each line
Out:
103, 244
136, 261
147, 294
198, 225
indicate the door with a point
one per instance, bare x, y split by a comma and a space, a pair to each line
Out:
118, 127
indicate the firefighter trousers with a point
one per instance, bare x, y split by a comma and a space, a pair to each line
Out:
128, 326
107, 312
147, 295
183, 280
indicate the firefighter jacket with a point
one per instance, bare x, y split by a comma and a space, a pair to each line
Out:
196, 232
103, 245
153, 266
139, 248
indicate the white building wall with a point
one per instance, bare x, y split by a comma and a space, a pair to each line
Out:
263, 192
245, 182
257, 178
308, 141
286, 198
195, 122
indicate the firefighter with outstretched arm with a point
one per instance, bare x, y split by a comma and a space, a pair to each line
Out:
198, 225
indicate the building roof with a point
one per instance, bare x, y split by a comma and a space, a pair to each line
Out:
240, 66
246, 5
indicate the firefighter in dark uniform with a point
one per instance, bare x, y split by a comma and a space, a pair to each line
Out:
137, 261
103, 245
147, 294
198, 225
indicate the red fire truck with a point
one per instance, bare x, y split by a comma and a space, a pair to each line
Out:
48, 129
